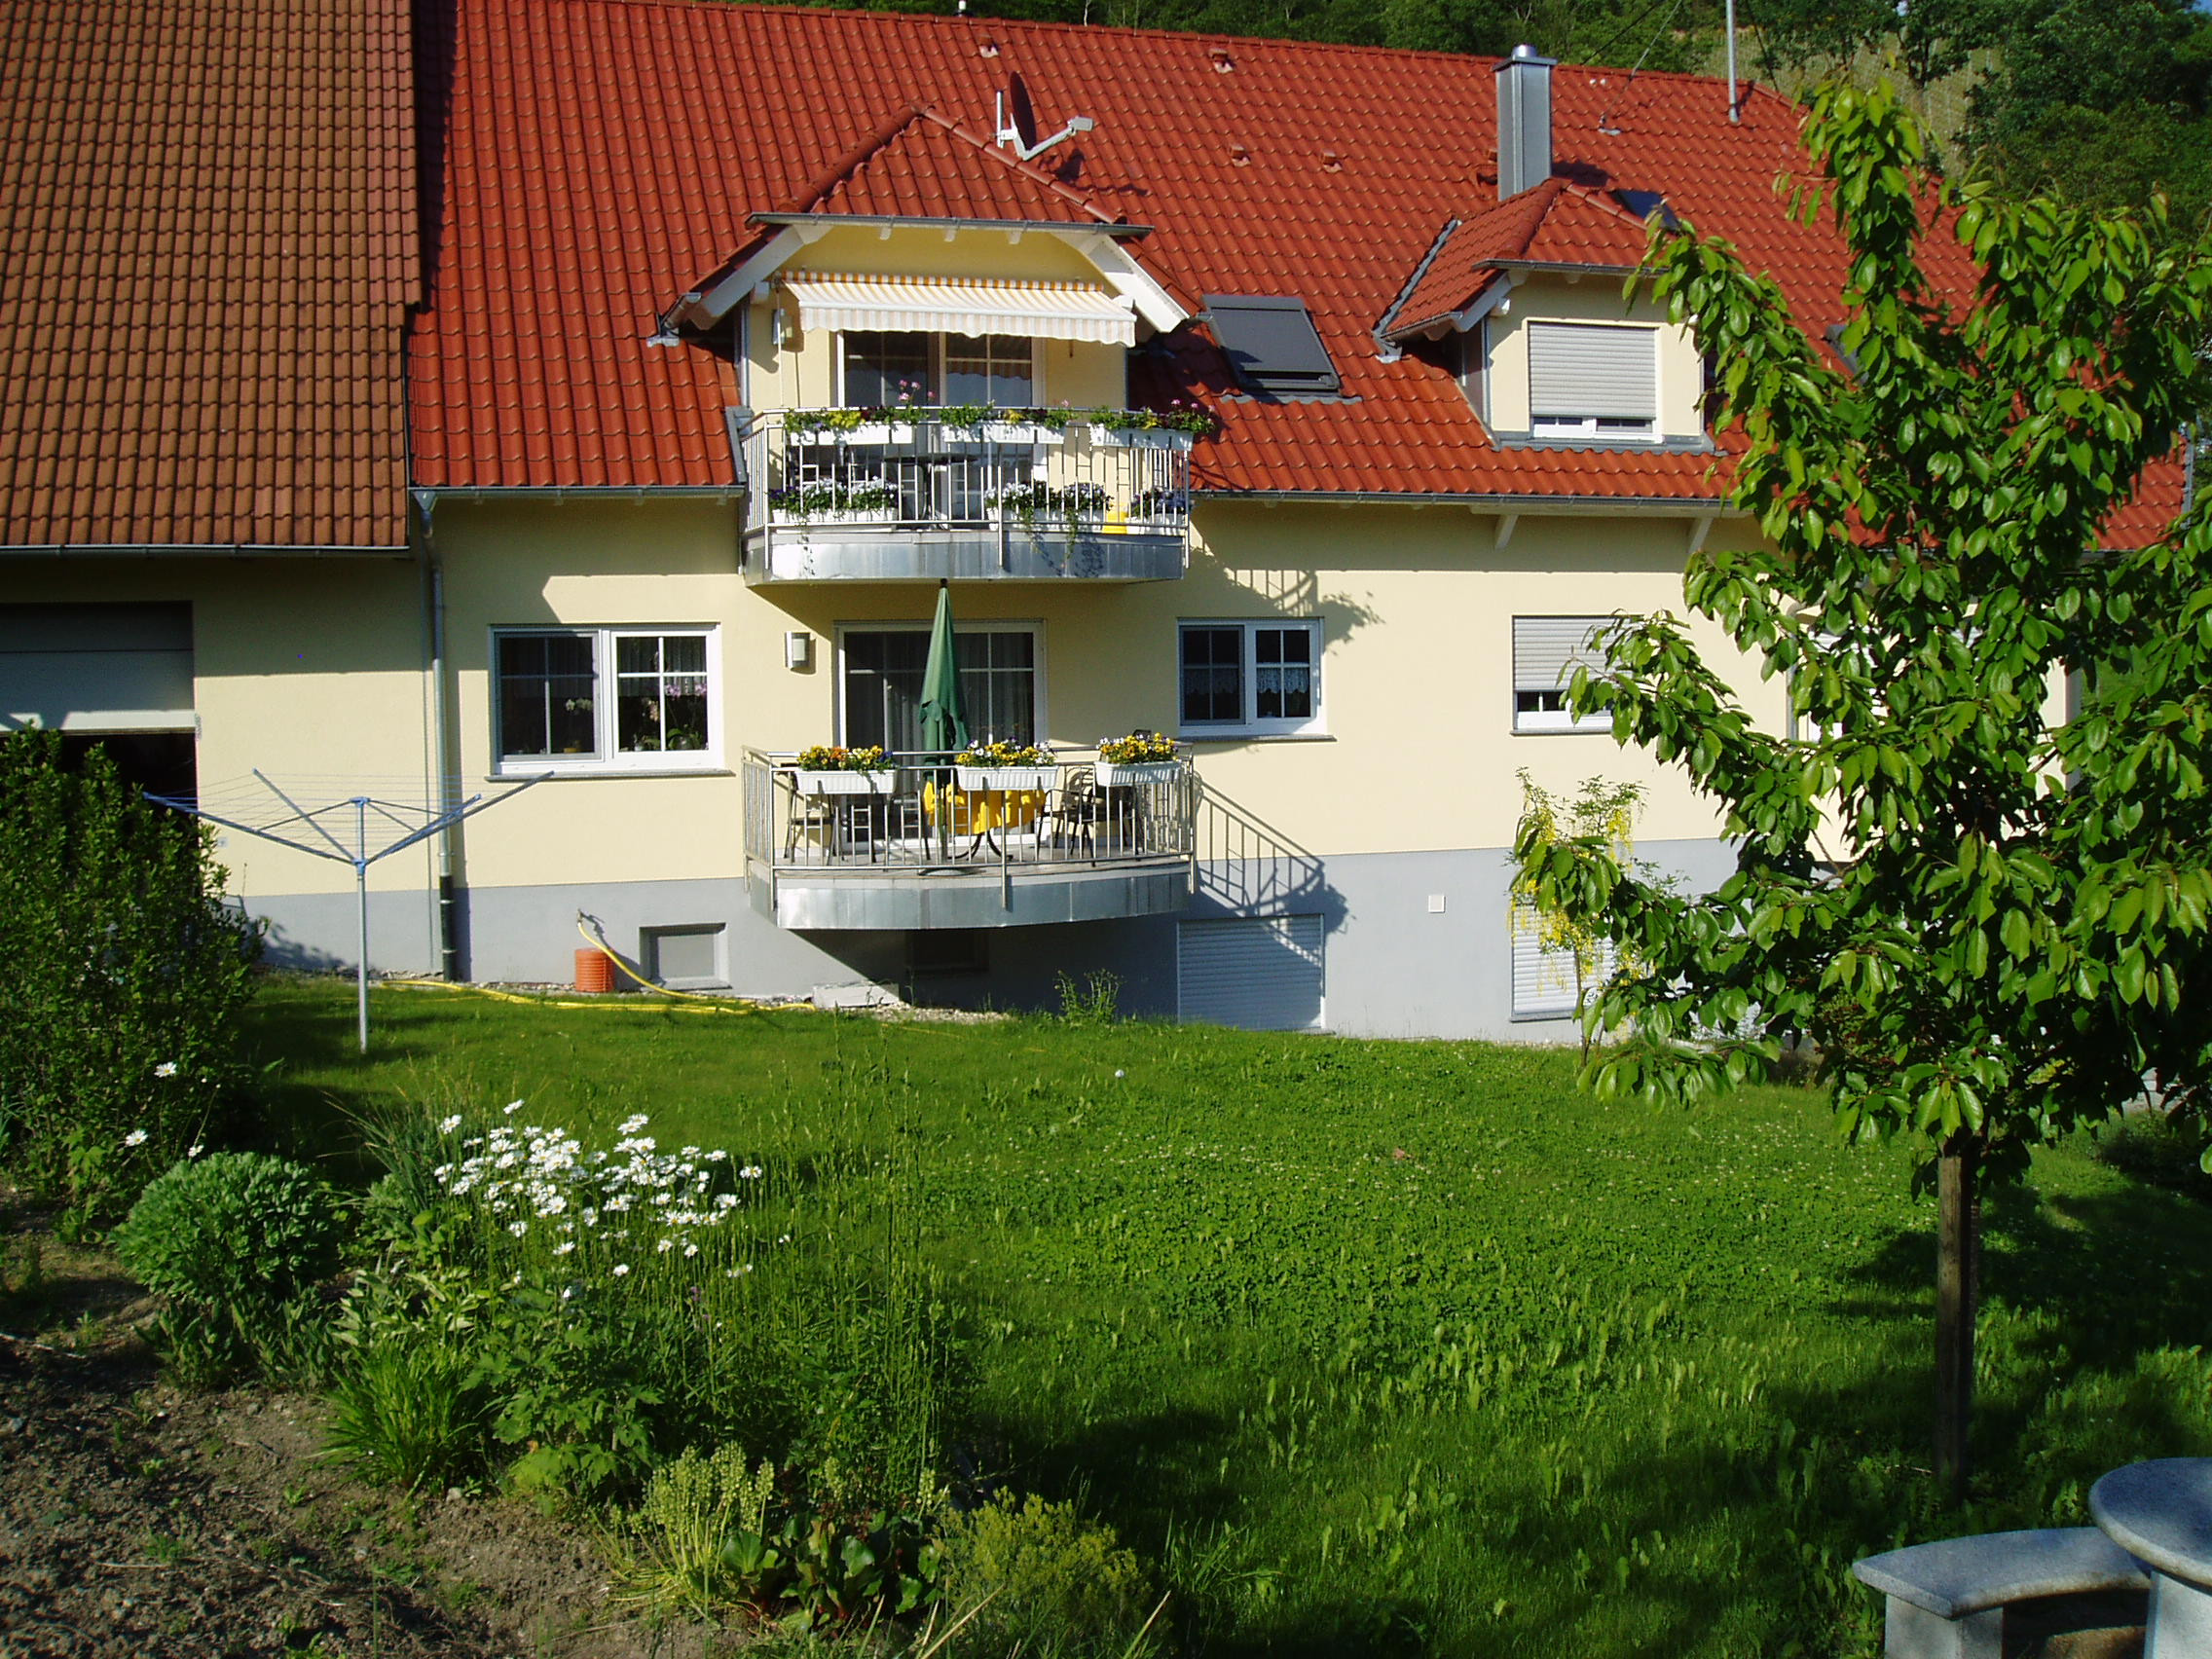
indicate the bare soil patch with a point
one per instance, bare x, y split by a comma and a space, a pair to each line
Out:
139, 1522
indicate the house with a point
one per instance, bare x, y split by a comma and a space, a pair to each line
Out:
1281, 398
210, 246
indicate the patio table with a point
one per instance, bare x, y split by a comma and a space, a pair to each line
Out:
2160, 1513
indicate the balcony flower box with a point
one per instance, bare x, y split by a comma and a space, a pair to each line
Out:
1129, 774
881, 783
824, 770
836, 502
833, 516
1140, 437
1041, 509
1021, 767
1012, 779
1003, 433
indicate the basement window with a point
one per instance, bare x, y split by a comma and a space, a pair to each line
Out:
1273, 344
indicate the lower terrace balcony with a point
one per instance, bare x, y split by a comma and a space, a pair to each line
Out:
928, 844
832, 496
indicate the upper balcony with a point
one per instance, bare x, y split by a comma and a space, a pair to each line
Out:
876, 495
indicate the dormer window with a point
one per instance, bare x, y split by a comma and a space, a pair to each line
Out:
1595, 380
882, 366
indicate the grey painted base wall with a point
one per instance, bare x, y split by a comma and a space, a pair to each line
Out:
321, 932
1393, 965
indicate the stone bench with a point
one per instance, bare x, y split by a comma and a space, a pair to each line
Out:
1947, 1599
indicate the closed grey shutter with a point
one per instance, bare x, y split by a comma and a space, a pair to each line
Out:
1583, 369
1548, 649
1261, 972
96, 668
1543, 980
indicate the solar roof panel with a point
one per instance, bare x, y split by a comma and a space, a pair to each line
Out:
1271, 343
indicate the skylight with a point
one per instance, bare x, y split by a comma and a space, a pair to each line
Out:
1648, 204
1273, 344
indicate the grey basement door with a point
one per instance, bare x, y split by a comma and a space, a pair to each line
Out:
1261, 972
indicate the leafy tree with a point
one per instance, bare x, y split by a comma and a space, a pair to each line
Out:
1990, 921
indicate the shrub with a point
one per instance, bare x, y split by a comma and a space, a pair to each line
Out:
701, 1534
414, 1414
1043, 1578
121, 977
232, 1237
613, 1305
2158, 1149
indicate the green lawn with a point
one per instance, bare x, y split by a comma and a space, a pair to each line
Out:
1400, 1347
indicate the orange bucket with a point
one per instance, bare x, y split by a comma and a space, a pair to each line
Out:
595, 971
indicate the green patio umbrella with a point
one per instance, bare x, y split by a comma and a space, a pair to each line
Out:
944, 723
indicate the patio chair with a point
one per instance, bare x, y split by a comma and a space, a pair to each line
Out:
813, 818
1076, 812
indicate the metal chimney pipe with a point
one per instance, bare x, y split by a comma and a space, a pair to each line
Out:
1523, 121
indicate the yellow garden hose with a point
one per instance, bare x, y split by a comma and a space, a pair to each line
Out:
565, 1002
691, 1001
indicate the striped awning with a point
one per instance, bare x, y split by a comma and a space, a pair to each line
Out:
1047, 311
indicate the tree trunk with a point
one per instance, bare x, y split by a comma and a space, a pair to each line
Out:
1957, 1297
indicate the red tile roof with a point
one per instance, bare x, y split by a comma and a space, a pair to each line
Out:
1556, 223
206, 246
604, 157
917, 164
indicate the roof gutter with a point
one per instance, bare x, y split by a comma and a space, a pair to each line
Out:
427, 497
903, 221
196, 550
1576, 506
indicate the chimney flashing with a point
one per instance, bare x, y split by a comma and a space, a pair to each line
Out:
1523, 121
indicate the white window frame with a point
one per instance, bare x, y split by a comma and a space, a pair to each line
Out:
936, 337
1562, 718
606, 759
1250, 725
1036, 630
1601, 428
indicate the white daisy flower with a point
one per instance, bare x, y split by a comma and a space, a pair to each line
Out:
449, 1125
622, 1268
168, 1068
136, 1137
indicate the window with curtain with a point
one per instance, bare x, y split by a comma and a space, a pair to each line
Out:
1242, 678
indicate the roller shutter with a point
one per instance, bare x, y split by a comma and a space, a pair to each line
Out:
1543, 980
1583, 369
96, 668
1548, 649
1260, 973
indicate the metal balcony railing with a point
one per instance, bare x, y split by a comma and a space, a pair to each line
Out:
833, 497
927, 815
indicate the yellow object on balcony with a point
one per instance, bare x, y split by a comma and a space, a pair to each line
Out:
1042, 311
979, 812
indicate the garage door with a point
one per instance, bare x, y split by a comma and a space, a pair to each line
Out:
1261, 972
96, 668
